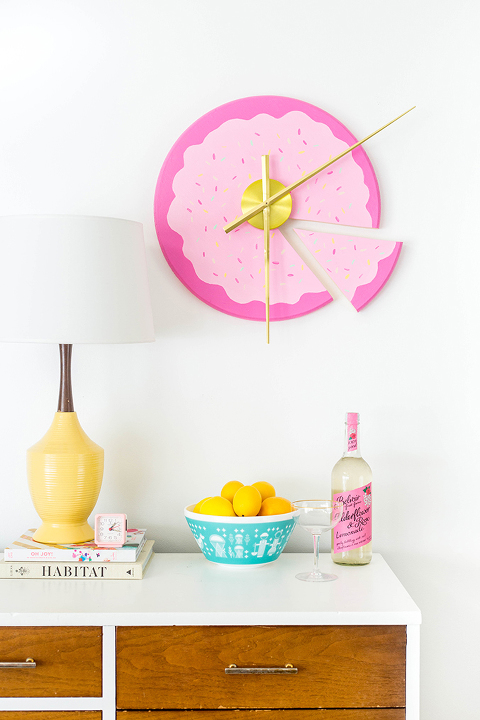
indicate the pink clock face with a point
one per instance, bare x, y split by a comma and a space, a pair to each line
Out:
200, 188
110, 530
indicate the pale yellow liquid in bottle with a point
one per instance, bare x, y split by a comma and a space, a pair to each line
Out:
350, 473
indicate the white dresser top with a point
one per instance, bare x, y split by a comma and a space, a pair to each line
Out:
186, 589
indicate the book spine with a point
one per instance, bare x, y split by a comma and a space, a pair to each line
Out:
87, 556
72, 571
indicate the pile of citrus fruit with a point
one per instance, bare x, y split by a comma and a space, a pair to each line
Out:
241, 500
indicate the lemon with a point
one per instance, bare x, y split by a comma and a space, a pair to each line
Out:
247, 501
217, 505
275, 506
229, 490
265, 489
198, 505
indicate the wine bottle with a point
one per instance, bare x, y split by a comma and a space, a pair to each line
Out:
352, 484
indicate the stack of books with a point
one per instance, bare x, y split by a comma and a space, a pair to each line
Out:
27, 559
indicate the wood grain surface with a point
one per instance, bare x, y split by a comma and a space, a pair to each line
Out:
50, 715
69, 661
352, 714
184, 667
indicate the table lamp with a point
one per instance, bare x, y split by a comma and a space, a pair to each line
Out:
70, 279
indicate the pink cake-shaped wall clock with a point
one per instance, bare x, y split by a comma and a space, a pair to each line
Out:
200, 190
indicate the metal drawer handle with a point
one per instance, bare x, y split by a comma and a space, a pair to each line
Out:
287, 670
29, 663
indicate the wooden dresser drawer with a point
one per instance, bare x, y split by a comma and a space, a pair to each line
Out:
68, 661
50, 715
184, 667
354, 714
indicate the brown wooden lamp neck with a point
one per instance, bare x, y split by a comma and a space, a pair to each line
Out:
65, 397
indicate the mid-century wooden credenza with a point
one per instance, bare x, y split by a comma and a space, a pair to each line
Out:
195, 641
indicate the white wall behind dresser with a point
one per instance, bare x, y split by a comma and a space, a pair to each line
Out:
93, 95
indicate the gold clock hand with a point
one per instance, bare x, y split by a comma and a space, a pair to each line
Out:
266, 237
281, 193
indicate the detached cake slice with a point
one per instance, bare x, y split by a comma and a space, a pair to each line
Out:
359, 266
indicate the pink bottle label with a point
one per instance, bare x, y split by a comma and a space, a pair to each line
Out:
355, 527
352, 431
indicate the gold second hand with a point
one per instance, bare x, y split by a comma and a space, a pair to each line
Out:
266, 237
279, 195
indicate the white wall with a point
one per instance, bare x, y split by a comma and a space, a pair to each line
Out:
93, 95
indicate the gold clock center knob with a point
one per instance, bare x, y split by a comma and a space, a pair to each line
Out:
279, 211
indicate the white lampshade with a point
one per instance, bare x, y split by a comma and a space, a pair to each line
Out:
73, 279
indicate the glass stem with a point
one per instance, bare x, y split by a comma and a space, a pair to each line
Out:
316, 550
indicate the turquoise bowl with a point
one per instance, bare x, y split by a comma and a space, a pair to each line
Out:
241, 541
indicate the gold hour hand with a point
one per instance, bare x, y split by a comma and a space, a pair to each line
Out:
266, 237
285, 191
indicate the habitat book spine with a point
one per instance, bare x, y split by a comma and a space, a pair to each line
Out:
25, 549
78, 570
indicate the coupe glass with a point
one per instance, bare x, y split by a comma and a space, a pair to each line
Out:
316, 517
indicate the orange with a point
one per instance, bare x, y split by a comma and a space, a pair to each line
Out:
217, 505
265, 489
247, 501
229, 490
275, 506
198, 505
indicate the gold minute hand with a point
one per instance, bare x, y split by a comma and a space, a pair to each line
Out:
281, 193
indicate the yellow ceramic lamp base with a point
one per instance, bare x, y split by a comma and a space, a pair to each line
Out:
65, 471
